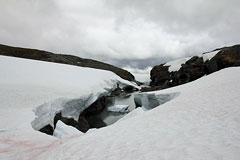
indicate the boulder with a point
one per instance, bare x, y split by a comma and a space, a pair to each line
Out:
48, 129
92, 113
193, 69
159, 75
227, 57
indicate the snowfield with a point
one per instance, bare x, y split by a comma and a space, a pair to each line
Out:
27, 84
201, 123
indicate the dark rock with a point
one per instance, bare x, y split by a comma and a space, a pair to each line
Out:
96, 107
237, 63
151, 88
91, 114
89, 118
227, 57
159, 75
193, 69
129, 89
48, 129
61, 58
82, 124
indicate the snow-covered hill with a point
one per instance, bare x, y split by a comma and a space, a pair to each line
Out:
202, 122
27, 84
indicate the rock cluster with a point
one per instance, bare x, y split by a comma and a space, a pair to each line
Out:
194, 68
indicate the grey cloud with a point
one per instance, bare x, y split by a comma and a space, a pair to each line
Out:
135, 33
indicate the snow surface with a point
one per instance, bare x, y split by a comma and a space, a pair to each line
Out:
209, 55
201, 123
27, 84
62, 130
176, 64
143, 77
133, 113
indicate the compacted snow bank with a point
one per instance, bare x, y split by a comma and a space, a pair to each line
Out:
27, 84
201, 123
198, 120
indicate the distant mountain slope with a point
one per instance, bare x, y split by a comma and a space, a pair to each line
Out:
189, 69
62, 58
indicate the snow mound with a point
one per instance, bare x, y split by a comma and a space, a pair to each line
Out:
26, 84
62, 130
201, 123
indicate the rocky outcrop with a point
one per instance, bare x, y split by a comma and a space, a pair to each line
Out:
91, 114
90, 117
227, 57
194, 68
48, 129
160, 75
62, 58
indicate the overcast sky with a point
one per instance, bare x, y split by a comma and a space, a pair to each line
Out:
135, 33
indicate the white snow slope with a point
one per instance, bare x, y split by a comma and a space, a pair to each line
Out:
27, 84
202, 123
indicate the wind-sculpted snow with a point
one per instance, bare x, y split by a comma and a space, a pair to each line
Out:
200, 123
70, 108
27, 84
62, 130
150, 101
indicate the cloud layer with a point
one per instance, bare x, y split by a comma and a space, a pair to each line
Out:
135, 33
